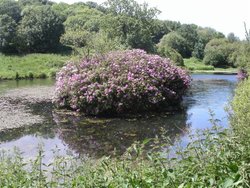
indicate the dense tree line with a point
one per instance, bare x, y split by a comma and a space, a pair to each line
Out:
43, 26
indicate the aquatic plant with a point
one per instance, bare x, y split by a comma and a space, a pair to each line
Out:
120, 82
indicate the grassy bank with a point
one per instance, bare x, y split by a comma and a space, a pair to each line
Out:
46, 65
31, 66
197, 66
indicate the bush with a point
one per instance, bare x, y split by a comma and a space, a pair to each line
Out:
118, 82
241, 109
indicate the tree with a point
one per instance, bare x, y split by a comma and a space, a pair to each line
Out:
62, 10
39, 30
189, 33
174, 41
232, 38
77, 21
132, 32
218, 52
131, 8
75, 38
204, 36
10, 8
7, 33
198, 51
133, 23
24, 3
247, 32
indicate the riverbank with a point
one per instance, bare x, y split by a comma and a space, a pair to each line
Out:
31, 66
46, 65
197, 66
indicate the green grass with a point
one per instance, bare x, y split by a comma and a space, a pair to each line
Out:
196, 65
31, 66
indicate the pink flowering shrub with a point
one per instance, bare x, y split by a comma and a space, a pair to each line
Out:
242, 74
120, 82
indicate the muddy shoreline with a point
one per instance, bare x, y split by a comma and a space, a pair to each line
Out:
15, 105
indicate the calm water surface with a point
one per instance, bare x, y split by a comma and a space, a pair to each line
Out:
97, 137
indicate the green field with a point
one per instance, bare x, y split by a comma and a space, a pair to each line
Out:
31, 66
197, 66
46, 65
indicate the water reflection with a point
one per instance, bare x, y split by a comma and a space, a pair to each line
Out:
97, 137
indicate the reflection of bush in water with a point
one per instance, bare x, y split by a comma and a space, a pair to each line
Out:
98, 137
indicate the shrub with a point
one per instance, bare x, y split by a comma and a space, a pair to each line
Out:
118, 82
241, 109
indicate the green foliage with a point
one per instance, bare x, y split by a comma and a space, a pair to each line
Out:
174, 41
100, 43
132, 32
24, 3
7, 33
243, 58
30, 66
241, 110
195, 64
11, 8
218, 52
75, 38
172, 54
189, 33
198, 51
39, 30
62, 10
76, 22
204, 36
132, 9
131, 22
81, 27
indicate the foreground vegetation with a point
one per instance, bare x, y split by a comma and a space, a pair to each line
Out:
215, 158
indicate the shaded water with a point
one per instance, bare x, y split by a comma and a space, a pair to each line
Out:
97, 137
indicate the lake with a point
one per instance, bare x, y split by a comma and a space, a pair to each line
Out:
69, 134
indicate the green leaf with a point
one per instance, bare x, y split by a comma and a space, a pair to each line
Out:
228, 183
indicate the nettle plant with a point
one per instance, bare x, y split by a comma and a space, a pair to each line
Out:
130, 81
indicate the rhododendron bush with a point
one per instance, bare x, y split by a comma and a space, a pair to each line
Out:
120, 82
